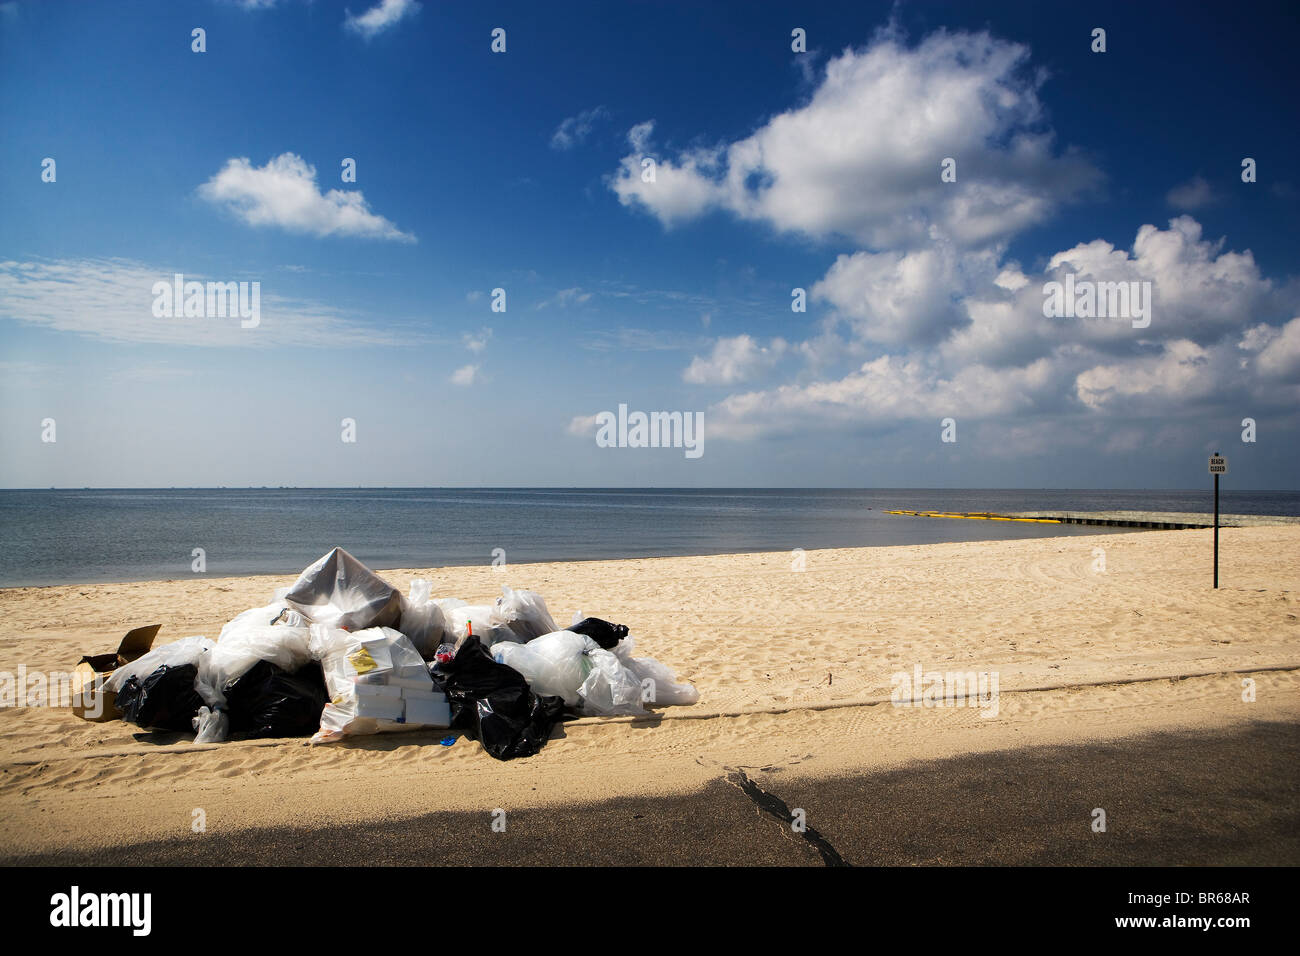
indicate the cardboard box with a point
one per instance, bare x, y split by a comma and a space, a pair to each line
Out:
377, 690
90, 701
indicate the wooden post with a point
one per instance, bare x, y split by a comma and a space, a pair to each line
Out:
1216, 526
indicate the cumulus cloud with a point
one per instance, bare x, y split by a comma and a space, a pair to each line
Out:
896, 297
382, 16
862, 157
1278, 350
575, 129
284, 194
734, 360
998, 355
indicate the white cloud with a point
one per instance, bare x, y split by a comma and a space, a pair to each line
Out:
999, 356
1180, 370
112, 299
1191, 195
575, 129
896, 297
565, 298
1279, 352
862, 157
477, 341
381, 17
733, 360
284, 193
465, 375
582, 425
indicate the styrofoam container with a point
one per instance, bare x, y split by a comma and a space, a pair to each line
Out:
381, 708
428, 695
434, 713
422, 682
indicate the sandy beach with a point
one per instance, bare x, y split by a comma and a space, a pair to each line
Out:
1120, 689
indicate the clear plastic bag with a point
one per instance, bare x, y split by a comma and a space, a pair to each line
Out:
243, 643
365, 675
337, 590
555, 664
422, 619
524, 612
610, 688
188, 650
462, 617
664, 689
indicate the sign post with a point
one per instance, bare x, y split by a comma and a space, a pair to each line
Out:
1218, 466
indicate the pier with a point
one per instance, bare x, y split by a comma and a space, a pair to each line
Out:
1169, 520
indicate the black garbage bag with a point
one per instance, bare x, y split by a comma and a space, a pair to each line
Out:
602, 632
269, 701
493, 703
165, 699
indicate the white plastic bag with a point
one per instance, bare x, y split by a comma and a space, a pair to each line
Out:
365, 675
422, 619
188, 650
270, 614
243, 643
213, 726
555, 665
524, 612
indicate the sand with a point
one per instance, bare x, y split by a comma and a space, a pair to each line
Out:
794, 672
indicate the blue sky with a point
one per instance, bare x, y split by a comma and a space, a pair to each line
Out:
521, 170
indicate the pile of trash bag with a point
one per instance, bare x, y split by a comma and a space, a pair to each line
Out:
341, 653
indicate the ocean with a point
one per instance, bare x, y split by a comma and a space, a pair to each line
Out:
73, 537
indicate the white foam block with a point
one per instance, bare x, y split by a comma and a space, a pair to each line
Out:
429, 695
381, 708
436, 713
417, 682
378, 690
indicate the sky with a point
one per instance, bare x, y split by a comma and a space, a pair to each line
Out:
649, 185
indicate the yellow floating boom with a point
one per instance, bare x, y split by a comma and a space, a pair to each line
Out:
975, 516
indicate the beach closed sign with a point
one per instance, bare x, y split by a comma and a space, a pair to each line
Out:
1218, 465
